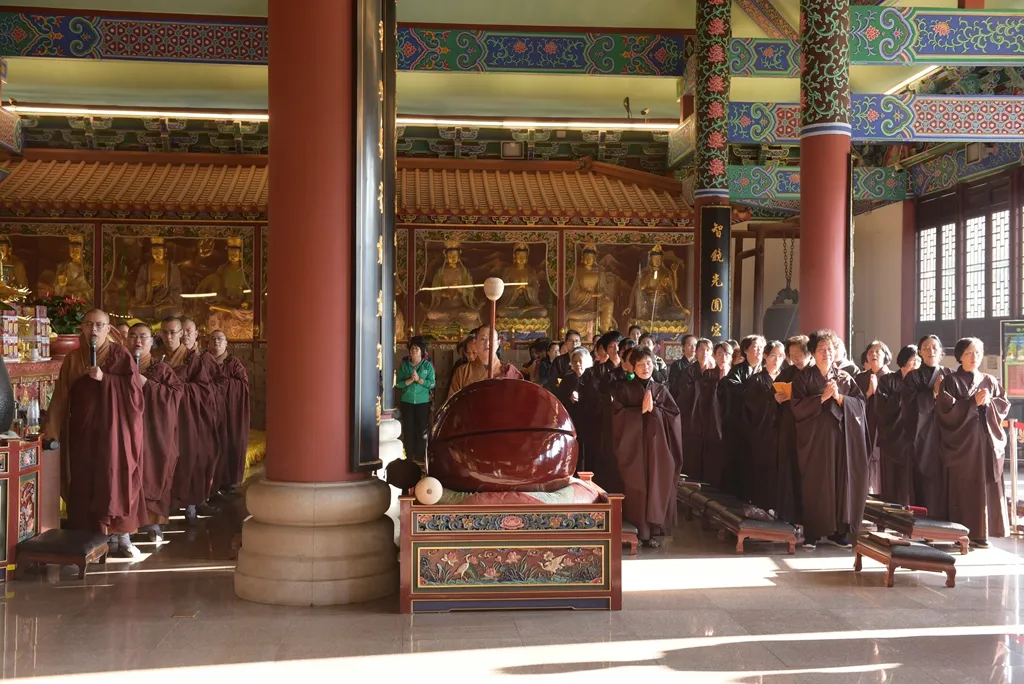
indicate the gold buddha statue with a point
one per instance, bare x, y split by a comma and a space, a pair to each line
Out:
655, 295
70, 279
13, 278
231, 308
589, 305
519, 307
451, 312
158, 285
399, 310
201, 264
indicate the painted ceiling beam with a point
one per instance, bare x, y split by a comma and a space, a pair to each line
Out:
874, 183
768, 19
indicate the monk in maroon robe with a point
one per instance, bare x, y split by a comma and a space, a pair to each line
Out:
646, 441
712, 402
763, 409
876, 358
896, 476
163, 390
197, 424
685, 388
917, 409
831, 446
96, 413
970, 409
233, 383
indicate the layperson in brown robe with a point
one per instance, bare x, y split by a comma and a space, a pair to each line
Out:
646, 444
685, 391
971, 407
790, 495
233, 383
735, 431
689, 347
660, 367
561, 363
163, 390
763, 410
577, 391
197, 414
875, 359
96, 412
603, 464
918, 415
487, 344
831, 428
711, 406
896, 470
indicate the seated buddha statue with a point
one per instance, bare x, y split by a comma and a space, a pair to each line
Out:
231, 309
71, 278
158, 285
655, 295
13, 278
202, 262
519, 307
451, 311
589, 306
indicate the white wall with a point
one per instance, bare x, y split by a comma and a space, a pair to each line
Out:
877, 277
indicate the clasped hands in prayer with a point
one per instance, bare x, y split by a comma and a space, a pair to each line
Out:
648, 403
832, 392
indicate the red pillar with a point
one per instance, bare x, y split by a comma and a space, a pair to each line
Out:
824, 152
309, 388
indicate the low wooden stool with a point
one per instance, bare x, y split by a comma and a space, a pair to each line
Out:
62, 547
629, 536
894, 552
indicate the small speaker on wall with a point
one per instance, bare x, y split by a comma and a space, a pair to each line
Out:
511, 150
973, 152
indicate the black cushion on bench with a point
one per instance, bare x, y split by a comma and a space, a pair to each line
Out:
628, 527
72, 543
923, 524
767, 525
922, 552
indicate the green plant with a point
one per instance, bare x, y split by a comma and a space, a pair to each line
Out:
65, 313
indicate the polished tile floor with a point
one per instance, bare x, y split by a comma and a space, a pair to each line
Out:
694, 612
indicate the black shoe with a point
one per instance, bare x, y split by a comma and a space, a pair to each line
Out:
155, 534
840, 541
980, 543
809, 545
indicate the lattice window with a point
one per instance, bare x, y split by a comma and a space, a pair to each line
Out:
926, 269
974, 251
1000, 306
949, 272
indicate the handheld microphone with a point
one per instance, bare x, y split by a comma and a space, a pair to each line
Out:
92, 351
138, 359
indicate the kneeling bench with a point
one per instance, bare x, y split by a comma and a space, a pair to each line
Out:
629, 537
894, 552
901, 519
62, 547
728, 514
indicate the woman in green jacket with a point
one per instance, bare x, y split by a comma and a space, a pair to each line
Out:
416, 380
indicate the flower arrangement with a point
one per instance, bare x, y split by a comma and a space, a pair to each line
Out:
65, 313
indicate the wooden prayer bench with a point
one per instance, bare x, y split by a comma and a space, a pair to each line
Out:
62, 547
728, 515
695, 497
901, 519
894, 552
629, 537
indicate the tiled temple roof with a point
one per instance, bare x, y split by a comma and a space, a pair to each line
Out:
428, 190
557, 191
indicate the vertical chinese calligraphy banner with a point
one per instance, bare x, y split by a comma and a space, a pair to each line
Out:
715, 242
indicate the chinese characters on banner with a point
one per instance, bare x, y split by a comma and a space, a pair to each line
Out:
715, 251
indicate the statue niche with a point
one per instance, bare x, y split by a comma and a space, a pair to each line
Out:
158, 285
590, 300
70, 277
13, 277
655, 297
519, 307
451, 312
231, 308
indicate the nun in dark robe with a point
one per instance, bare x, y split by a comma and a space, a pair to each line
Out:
646, 442
918, 416
711, 407
577, 391
736, 442
689, 348
606, 473
896, 474
831, 427
875, 359
790, 494
970, 409
763, 410
685, 389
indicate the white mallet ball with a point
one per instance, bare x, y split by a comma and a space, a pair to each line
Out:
428, 491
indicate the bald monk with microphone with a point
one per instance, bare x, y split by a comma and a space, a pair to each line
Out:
96, 413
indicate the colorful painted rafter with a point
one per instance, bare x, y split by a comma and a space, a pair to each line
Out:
890, 118
770, 183
945, 171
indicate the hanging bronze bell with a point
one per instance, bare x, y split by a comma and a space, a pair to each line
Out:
782, 318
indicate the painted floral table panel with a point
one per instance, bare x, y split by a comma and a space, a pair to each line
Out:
531, 567
561, 521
